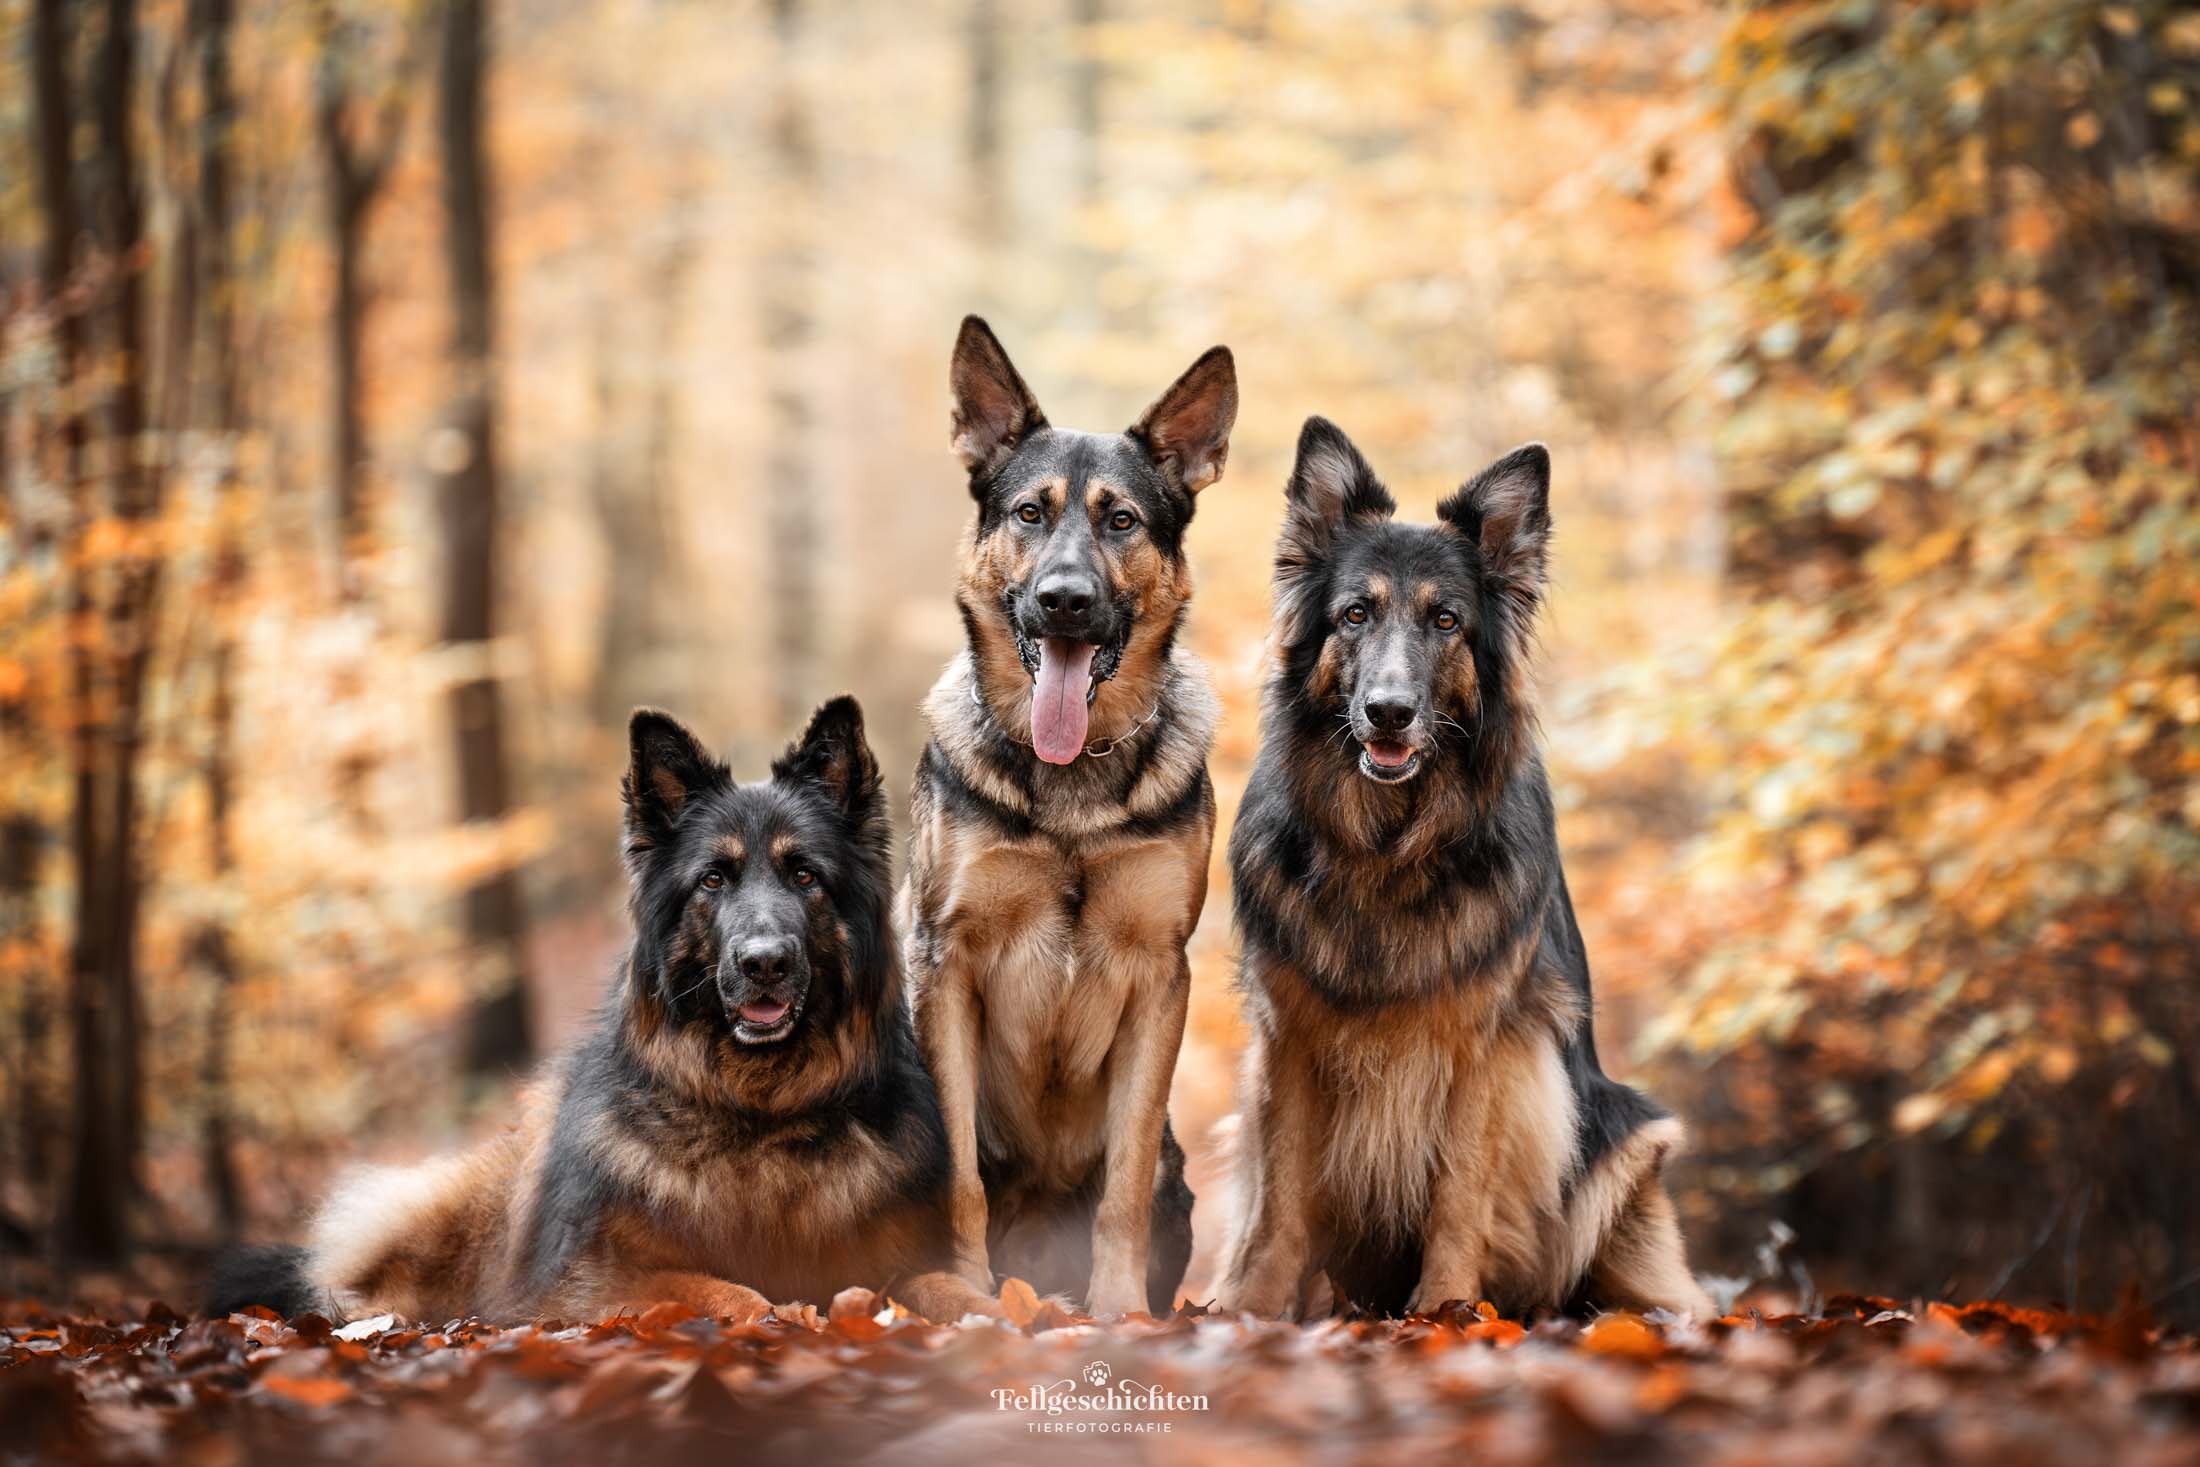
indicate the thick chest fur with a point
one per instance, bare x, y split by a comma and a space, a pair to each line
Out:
1377, 907
1056, 900
786, 1214
1064, 948
1412, 1088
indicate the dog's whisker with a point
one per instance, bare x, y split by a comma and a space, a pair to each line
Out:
694, 987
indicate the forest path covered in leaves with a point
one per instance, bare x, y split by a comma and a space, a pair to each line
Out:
1867, 1380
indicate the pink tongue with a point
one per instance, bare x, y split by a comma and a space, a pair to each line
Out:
763, 1011
1058, 712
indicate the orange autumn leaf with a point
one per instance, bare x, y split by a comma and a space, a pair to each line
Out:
1623, 1335
1020, 1302
1501, 1333
318, 1391
660, 1317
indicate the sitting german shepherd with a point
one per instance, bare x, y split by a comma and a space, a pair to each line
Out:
1063, 821
750, 1120
1423, 1115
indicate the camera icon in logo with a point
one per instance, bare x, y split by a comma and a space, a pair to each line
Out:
1097, 1373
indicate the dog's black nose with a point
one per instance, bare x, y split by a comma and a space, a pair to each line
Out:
766, 962
1065, 594
1388, 712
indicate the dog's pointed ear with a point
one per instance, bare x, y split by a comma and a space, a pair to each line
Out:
833, 755
666, 767
1506, 510
994, 410
1330, 484
1187, 430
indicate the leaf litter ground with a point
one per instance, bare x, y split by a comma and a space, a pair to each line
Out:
1866, 1380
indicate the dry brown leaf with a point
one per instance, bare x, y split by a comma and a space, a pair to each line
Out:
1019, 1302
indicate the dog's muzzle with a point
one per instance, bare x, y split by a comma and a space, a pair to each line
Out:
764, 987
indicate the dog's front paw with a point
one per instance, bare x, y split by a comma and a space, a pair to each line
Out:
1108, 1298
1434, 1293
944, 1298
853, 1302
739, 1303
1262, 1300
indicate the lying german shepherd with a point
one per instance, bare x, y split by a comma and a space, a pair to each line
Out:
1063, 822
750, 1120
1423, 1115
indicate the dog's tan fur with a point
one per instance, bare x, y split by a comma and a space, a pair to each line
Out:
1433, 1120
1423, 1117
661, 1158
446, 1237
1047, 906
1052, 1039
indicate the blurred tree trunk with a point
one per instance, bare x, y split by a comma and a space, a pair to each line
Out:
51, 38
23, 1146
498, 1034
623, 513
982, 143
53, 105
1088, 78
789, 324
7, 396
356, 170
109, 1091
19, 841
22, 842
647, 574
210, 22
207, 31
1088, 115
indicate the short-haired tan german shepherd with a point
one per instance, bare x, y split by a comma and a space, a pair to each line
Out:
749, 1121
1063, 822
1422, 1114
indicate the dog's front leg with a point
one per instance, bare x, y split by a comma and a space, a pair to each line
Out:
1272, 1248
1141, 1066
1455, 1244
947, 1033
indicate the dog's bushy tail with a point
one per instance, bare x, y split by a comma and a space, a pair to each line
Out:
272, 1274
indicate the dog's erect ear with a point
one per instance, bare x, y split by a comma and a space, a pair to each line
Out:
1330, 484
1506, 509
1187, 430
994, 411
833, 755
667, 766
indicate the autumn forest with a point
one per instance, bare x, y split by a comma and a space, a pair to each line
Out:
394, 395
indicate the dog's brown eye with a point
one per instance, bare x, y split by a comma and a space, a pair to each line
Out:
1355, 613
712, 881
1123, 519
804, 876
1445, 621
1028, 513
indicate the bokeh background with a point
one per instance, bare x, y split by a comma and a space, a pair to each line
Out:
392, 395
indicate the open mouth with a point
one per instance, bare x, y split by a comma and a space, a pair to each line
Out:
1066, 675
1387, 761
761, 1020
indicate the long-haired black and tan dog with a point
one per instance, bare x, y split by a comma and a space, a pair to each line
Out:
1063, 822
749, 1121
1423, 1117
